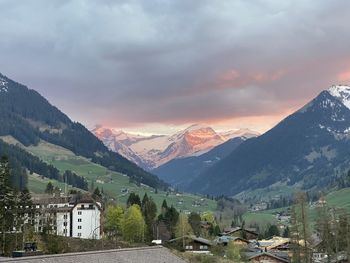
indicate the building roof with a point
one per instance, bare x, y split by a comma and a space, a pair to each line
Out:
273, 242
63, 209
268, 255
156, 254
226, 239
236, 229
203, 241
194, 238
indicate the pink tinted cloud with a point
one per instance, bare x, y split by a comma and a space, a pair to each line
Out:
344, 76
235, 79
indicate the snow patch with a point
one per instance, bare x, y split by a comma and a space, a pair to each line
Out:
3, 85
342, 92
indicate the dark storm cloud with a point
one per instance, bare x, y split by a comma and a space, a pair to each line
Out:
126, 62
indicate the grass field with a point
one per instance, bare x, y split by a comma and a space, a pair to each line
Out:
267, 194
259, 217
37, 183
339, 199
111, 182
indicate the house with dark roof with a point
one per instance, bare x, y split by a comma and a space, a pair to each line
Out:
193, 243
247, 233
266, 257
224, 240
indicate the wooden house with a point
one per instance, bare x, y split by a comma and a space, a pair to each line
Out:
265, 257
224, 240
193, 243
245, 233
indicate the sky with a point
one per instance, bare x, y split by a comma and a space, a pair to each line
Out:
158, 66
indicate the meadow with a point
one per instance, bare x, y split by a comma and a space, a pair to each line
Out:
117, 186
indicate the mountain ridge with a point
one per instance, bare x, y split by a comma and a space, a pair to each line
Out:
309, 147
180, 172
29, 118
153, 151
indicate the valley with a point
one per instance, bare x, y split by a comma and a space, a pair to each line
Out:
115, 185
174, 131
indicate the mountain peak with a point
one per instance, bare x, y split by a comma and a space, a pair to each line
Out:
341, 92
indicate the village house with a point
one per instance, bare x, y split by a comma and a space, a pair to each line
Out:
224, 240
249, 234
259, 207
266, 257
194, 244
275, 243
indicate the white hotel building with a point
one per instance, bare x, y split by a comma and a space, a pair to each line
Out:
81, 219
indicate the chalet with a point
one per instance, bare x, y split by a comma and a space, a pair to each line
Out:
194, 244
249, 234
224, 240
275, 243
266, 257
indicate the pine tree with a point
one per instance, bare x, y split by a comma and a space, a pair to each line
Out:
97, 195
7, 200
49, 188
133, 199
272, 231
286, 232
149, 212
195, 221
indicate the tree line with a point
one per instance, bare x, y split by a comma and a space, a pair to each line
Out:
331, 231
21, 161
141, 222
17, 211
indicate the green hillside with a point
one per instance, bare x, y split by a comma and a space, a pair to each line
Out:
339, 199
30, 118
111, 182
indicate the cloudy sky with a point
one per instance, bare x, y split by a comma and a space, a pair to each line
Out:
156, 66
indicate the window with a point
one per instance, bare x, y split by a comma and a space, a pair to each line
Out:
189, 247
82, 206
79, 213
203, 247
79, 219
79, 227
65, 216
91, 206
65, 223
65, 231
79, 234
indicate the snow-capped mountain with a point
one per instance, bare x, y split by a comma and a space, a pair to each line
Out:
309, 148
341, 92
152, 151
